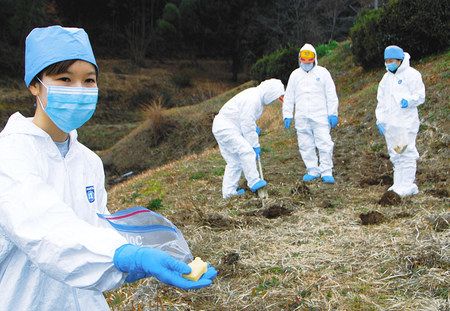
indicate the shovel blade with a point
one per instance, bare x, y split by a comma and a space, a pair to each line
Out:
262, 193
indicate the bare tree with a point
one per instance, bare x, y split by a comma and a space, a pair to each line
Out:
139, 31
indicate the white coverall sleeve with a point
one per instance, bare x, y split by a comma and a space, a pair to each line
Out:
380, 111
247, 121
417, 89
331, 95
49, 233
289, 98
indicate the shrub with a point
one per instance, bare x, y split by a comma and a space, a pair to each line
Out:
419, 27
325, 49
154, 204
278, 64
182, 79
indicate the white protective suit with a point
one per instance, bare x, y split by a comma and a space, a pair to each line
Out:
55, 253
313, 97
401, 124
234, 128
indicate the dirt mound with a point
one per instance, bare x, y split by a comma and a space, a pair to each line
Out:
371, 218
275, 211
390, 198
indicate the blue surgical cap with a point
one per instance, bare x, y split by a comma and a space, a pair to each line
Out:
50, 45
394, 51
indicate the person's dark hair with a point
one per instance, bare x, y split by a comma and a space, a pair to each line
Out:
56, 69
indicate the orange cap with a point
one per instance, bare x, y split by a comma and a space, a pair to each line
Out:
307, 56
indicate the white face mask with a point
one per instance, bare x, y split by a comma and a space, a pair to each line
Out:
307, 67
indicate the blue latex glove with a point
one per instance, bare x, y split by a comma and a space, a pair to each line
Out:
287, 122
404, 103
258, 131
333, 121
257, 151
141, 262
381, 129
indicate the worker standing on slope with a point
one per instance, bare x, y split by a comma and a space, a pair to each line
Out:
235, 130
311, 93
55, 253
400, 91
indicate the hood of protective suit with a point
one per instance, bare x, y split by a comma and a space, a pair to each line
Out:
18, 124
404, 64
309, 47
270, 90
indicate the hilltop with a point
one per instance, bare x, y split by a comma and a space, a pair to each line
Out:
309, 250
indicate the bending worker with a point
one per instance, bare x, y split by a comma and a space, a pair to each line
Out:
235, 130
311, 93
55, 253
400, 91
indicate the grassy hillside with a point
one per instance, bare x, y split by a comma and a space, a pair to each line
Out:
166, 135
309, 250
125, 92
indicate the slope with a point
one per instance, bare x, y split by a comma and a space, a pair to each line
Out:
310, 249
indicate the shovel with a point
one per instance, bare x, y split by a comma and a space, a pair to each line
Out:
262, 193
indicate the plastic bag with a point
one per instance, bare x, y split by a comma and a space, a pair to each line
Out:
398, 136
143, 227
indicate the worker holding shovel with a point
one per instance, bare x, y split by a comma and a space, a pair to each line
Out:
235, 130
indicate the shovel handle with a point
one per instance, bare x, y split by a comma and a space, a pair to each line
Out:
260, 168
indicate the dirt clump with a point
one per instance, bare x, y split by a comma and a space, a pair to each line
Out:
275, 211
440, 222
230, 258
218, 221
371, 218
390, 198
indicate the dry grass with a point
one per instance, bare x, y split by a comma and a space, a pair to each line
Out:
320, 256
183, 131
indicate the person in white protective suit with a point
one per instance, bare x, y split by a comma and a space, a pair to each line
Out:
400, 91
311, 93
55, 252
236, 132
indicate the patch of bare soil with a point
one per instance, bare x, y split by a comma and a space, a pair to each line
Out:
371, 218
440, 222
382, 180
390, 198
275, 211
440, 193
218, 221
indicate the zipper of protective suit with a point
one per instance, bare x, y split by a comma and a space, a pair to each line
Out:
74, 289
